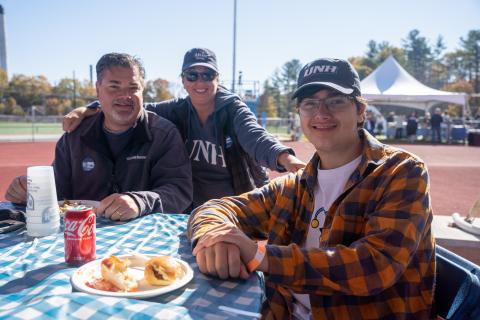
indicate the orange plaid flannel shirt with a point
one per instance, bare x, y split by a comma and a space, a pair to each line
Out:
376, 258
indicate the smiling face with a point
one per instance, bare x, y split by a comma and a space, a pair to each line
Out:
201, 92
334, 134
120, 93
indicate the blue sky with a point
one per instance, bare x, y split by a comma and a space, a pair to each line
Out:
56, 37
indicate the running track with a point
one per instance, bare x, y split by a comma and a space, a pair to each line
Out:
454, 170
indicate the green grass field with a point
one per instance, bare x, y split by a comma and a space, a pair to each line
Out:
25, 128
56, 128
19, 128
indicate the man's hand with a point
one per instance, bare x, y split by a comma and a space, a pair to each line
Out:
17, 190
290, 162
73, 119
118, 207
221, 260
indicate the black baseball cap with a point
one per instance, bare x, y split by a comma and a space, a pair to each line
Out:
200, 57
336, 74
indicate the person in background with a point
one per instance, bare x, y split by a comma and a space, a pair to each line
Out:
349, 236
390, 125
297, 130
370, 123
435, 123
130, 159
399, 119
222, 136
426, 119
391, 117
448, 126
290, 123
412, 127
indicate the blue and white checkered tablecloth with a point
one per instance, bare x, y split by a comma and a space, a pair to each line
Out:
35, 280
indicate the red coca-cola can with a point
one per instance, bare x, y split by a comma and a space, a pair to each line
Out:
80, 239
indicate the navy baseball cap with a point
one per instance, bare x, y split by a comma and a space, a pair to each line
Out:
336, 74
200, 57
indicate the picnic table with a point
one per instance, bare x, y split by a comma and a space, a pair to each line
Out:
35, 280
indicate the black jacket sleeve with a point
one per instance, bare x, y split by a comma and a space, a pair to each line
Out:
62, 169
170, 177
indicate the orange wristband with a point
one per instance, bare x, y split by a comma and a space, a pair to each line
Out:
253, 264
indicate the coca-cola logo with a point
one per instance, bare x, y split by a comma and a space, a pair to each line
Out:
80, 228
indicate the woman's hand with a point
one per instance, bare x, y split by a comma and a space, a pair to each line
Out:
290, 162
73, 119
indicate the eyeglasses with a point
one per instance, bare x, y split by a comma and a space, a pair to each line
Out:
308, 107
193, 76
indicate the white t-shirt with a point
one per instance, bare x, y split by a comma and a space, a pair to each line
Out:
330, 185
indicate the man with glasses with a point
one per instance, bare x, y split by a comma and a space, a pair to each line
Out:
349, 237
222, 136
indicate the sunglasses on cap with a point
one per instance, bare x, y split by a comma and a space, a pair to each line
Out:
193, 76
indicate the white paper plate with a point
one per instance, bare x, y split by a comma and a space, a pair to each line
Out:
473, 227
91, 270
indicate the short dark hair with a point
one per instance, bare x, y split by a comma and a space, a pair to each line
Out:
361, 102
114, 59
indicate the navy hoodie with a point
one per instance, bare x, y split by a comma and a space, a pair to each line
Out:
214, 173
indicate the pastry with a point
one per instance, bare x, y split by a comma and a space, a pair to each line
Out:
163, 270
115, 271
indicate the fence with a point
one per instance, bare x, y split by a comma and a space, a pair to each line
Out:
30, 128
29, 118
27, 126
279, 127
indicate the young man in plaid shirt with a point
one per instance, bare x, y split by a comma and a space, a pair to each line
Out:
349, 236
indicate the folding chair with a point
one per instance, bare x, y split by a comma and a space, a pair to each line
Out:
457, 292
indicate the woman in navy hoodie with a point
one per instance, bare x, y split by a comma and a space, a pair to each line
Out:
227, 146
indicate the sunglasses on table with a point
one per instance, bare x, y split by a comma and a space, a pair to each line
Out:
193, 76
308, 107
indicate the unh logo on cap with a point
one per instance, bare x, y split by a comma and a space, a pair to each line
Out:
320, 69
201, 55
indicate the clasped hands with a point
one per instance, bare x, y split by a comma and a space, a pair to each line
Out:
118, 207
224, 252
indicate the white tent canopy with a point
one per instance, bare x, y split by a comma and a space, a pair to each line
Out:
390, 84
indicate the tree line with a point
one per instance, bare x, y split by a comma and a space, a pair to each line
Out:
427, 61
457, 71
22, 92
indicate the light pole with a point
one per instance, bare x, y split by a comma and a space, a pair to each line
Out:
234, 43
74, 92
33, 123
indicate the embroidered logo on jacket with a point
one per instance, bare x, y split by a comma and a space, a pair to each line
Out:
88, 164
228, 142
136, 157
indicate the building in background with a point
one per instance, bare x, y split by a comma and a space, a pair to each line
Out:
3, 42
